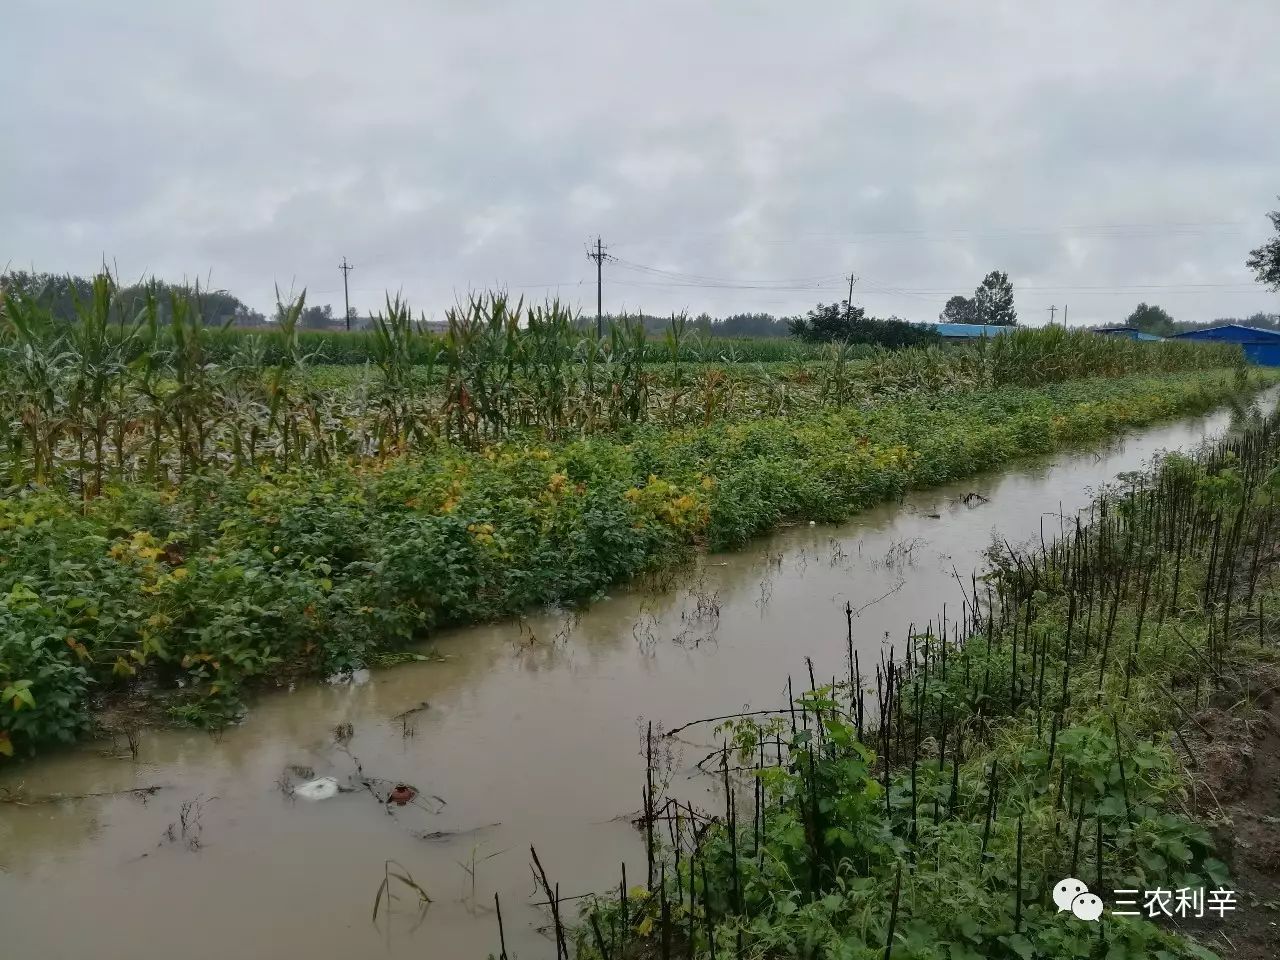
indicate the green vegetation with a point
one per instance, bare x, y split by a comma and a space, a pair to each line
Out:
991, 303
1264, 260
359, 347
925, 806
1150, 318
185, 528
845, 323
63, 297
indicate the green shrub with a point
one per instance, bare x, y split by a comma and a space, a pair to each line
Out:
233, 580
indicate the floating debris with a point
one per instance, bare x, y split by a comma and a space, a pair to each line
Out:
319, 789
452, 834
403, 714
401, 794
354, 678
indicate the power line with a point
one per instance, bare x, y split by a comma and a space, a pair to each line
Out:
966, 236
599, 256
943, 234
697, 278
895, 291
1104, 288
346, 268
679, 284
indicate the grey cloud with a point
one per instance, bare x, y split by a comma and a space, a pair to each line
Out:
447, 145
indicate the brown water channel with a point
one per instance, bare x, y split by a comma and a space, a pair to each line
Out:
533, 734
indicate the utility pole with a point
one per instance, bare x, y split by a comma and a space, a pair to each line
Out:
599, 256
848, 312
346, 268
1052, 310
1064, 314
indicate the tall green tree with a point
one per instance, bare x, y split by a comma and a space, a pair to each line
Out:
959, 310
1265, 260
1150, 318
993, 300
828, 324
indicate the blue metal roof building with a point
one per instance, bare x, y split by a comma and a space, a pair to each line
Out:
1260, 346
970, 331
1129, 333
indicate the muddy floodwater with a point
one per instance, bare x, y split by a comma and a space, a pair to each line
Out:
531, 734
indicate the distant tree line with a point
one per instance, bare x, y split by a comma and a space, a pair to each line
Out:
845, 323
60, 293
735, 325
1153, 319
992, 303
825, 323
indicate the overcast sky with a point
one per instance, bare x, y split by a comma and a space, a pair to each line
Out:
1100, 152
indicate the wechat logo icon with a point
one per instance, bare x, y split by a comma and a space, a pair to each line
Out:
1072, 894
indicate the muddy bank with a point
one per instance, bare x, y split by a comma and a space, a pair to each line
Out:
1236, 784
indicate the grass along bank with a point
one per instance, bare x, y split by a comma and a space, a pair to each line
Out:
189, 596
1103, 708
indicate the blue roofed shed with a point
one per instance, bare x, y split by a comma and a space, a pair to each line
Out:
1260, 346
1129, 333
970, 331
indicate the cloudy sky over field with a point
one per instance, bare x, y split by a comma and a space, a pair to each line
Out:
735, 156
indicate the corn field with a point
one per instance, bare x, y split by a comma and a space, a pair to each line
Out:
159, 396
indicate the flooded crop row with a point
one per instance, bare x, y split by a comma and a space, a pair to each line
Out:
509, 735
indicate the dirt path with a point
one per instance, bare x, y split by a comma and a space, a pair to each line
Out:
1239, 784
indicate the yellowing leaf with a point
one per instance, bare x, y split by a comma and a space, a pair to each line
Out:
22, 698
6, 745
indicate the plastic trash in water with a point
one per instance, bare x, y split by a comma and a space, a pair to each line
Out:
322, 788
356, 678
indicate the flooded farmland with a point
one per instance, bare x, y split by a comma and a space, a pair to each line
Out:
523, 733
